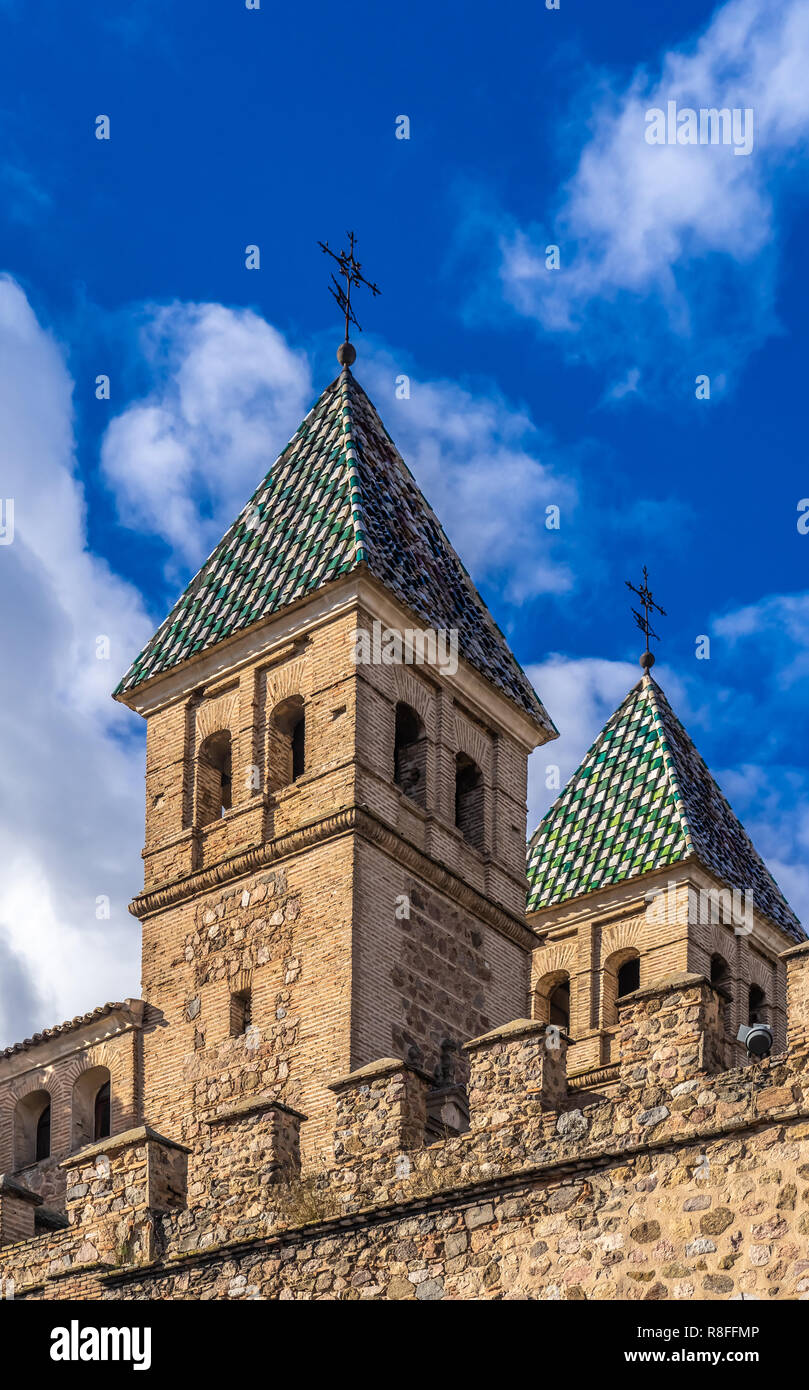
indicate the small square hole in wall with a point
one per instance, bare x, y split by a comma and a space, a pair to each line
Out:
240, 1004
335, 714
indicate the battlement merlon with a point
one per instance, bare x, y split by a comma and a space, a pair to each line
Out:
17, 1210
797, 964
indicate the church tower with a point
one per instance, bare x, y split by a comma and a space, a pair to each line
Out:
337, 741
639, 871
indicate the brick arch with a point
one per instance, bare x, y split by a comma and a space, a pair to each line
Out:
288, 680
412, 692
475, 744
719, 941
554, 958
101, 1054
43, 1079
623, 936
214, 715
759, 972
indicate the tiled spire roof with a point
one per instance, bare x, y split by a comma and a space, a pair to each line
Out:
643, 799
338, 498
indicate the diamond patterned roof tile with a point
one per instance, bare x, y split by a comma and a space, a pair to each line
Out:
669, 809
339, 497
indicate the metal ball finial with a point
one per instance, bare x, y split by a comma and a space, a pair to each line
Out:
647, 660
346, 354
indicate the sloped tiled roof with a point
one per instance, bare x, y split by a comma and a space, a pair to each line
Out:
338, 497
67, 1027
643, 799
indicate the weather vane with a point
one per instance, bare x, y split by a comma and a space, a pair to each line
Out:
648, 604
350, 269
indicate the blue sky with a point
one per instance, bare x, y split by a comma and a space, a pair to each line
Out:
530, 387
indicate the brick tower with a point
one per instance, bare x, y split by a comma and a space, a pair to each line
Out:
335, 805
641, 870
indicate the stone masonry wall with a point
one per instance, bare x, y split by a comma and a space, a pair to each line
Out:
693, 1186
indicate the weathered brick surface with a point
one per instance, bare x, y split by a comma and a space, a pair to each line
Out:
17, 1210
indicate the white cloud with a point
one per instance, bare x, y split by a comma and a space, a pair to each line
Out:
778, 629
489, 473
628, 385
184, 461
580, 694
230, 393
676, 240
71, 770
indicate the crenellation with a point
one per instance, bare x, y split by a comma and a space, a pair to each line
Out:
673, 1179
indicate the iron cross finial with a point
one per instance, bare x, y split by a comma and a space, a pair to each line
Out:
648, 604
350, 269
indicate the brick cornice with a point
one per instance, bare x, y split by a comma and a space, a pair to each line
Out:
352, 820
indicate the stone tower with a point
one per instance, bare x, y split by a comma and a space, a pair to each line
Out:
337, 740
639, 871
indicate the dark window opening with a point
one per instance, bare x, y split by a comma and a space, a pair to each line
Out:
240, 1012
298, 744
410, 754
43, 1138
756, 1006
286, 753
559, 1006
629, 977
720, 973
215, 777
469, 800
101, 1112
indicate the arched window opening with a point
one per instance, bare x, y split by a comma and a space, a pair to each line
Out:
214, 776
629, 977
756, 1006
410, 754
720, 975
32, 1128
287, 743
101, 1112
621, 975
720, 972
552, 1000
43, 1141
92, 1107
469, 800
447, 1100
559, 1006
